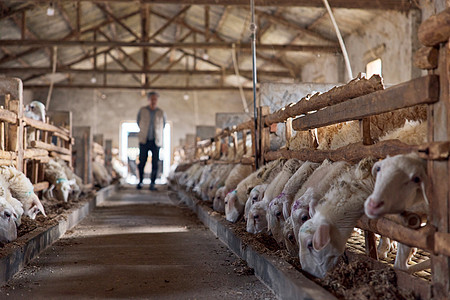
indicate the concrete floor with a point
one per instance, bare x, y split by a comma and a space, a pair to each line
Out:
138, 244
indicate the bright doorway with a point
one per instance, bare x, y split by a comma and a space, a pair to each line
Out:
129, 152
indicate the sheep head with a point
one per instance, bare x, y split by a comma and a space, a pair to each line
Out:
233, 208
257, 221
62, 189
275, 220
400, 183
289, 237
8, 229
219, 200
299, 214
256, 194
32, 206
317, 253
35, 110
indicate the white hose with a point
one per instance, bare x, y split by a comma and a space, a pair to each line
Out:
52, 78
341, 41
236, 72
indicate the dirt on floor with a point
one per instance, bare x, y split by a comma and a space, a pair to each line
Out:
348, 280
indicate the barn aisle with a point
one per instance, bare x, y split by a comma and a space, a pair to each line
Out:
138, 244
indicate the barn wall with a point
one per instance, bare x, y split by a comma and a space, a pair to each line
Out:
105, 114
391, 36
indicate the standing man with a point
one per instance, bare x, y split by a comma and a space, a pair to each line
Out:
151, 121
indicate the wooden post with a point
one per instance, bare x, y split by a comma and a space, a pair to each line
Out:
98, 138
264, 134
235, 143
244, 140
82, 148
438, 171
63, 119
108, 155
15, 133
370, 238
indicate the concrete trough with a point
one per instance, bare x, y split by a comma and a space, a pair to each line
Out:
277, 274
27, 247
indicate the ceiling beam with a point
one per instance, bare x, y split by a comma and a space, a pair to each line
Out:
215, 45
230, 71
362, 4
135, 87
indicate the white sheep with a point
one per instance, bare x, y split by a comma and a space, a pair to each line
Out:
101, 176
206, 173
192, 181
301, 140
36, 111
256, 195
21, 189
76, 183
60, 185
313, 190
257, 217
289, 238
8, 228
322, 239
237, 174
219, 180
236, 201
400, 186
182, 180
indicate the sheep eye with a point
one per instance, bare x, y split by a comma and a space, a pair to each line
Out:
7, 214
378, 169
255, 217
291, 237
310, 245
304, 218
255, 198
278, 213
416, 179
226, 202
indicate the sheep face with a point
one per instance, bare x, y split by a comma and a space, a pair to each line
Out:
256, 195
400, 183
8, 229
257, 221
62, 190
317, 254
299, 215
218, 202
275, 220
233, 209
289, 238
32, 206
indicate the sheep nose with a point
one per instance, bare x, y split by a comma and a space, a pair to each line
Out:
374, 204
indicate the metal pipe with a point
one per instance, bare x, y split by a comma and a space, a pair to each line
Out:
255, 111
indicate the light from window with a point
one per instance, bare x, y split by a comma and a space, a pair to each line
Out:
373, 67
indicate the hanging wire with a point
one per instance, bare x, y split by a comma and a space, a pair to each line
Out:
341, 40
253, 28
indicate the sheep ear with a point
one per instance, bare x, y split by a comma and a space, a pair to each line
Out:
321, 237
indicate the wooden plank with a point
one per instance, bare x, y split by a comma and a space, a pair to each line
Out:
7, 162
44, 126
82, 150
8, 116
357, 151
436, 29
422, 90
421, 238
426, 58
355, 88
33, 153
50, 147
136, 87
8, 155
67, 158
40, 186
15, 133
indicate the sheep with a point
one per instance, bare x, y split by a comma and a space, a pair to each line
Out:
289, 238
256, 195
203, 178
8, 228
322, 239
36, 111
301, 140
55, 174
399, 177
15, 204
194, 178
21, 189
76, 183
313, 190
257, 216
182, 180
219, 180
236, 201
101, 175
236, 175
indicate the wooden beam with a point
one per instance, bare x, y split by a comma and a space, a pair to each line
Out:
216, 45
117, 20
132, 87
435, 29
361, 4
26, 70
206, 21
162, 56
170, 21
50, 147
131, 58
424, 90
355, 88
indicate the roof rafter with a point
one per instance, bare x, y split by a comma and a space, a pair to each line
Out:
363, 4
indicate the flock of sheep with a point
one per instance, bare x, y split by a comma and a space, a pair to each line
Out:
311, 208
17, 196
